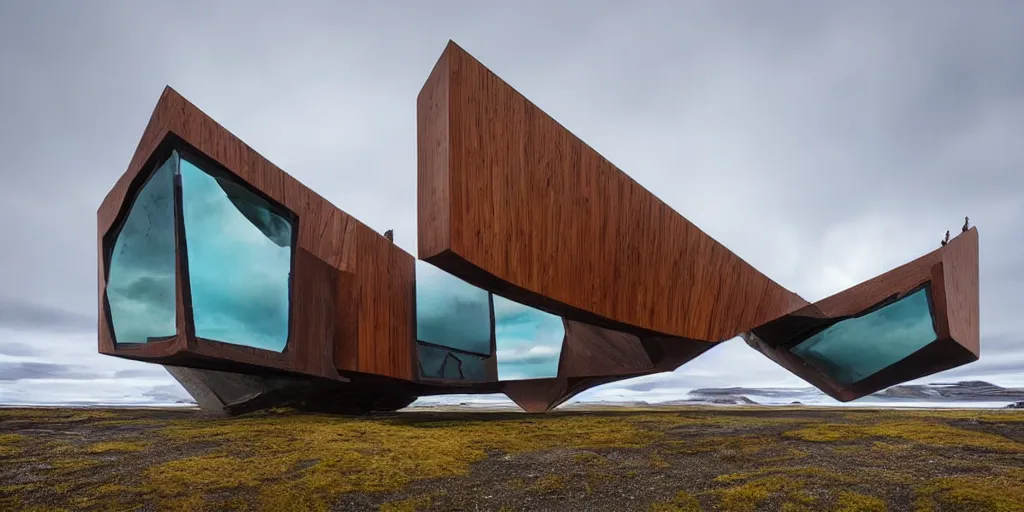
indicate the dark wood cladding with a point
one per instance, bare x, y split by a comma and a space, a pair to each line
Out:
507, 193
432, 190
951, 275
353, 290
537, 395
590, 351
960, 281
387, 306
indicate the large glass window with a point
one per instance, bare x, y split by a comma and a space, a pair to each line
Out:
239, 250
529, 341
140, 278
857, 348
453, 324
451, 312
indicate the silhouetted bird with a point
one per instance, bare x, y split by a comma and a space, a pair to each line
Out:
946, 240
967, 225
390, 235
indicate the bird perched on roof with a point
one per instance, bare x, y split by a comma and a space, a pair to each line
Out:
967, 225
946, 240
390, 235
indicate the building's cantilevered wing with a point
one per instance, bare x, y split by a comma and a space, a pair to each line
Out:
511, 201
915, 320
211, 258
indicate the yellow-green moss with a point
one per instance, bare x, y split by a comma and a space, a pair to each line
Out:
11, 438
735, 449
850, 501
590, 458
407, 505
10, 444
924, 432
549, 483
52, 415
596, 479
658, 461
787, 455
282, 460
117, 446
18, 488
793, 473
681, 502
748, 496
361, 454
1004, 493
788, 484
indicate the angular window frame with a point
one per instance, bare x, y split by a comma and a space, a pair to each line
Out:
174, 145
109, 240
888, 301
491, 360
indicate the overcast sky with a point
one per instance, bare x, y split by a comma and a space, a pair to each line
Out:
823, 143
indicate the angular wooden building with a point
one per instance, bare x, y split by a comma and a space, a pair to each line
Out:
543, 270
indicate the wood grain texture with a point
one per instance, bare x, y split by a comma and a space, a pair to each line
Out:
532, 206
960, 275
951, 275
329, 242
387, 320
432, 195
346, 322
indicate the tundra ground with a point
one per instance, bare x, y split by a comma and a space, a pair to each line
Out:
691, 458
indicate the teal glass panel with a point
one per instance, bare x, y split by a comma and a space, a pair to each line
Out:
441, 363
140, 278
239, 260
430, 360
857, 348
451, 312
472, 367
529, 341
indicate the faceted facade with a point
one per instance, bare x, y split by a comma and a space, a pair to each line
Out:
543, 270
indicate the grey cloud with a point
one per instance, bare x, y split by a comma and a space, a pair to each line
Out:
167, 394
27, 315
646, 385
31, 370
17, 349
149, 370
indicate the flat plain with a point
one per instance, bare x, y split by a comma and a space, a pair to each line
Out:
656, 459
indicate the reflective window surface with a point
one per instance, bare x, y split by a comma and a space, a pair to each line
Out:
140, 278
529, 341
440, 363
239, 261
457, 315
451, 312
854, 349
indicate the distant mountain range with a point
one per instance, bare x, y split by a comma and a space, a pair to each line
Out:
965, 391
939, 394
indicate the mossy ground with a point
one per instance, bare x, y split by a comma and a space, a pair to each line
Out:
647, 459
